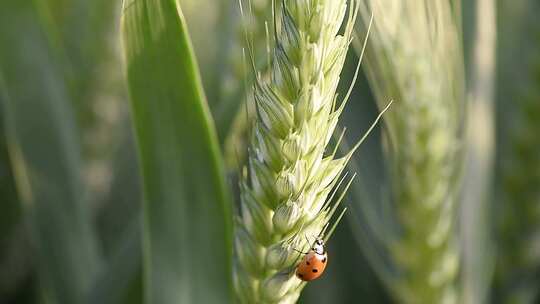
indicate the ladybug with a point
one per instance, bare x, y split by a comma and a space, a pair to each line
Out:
313, 263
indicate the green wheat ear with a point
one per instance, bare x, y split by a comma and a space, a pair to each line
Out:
288, 186
415, 57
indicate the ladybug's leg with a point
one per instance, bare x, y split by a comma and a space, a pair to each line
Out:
299, 251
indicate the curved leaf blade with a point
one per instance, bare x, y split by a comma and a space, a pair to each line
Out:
187, 244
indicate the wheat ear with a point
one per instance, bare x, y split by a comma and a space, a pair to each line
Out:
288, 183
415, 57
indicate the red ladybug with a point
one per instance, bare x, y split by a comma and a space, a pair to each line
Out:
314, 262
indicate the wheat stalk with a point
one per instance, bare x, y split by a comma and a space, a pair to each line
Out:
478, 255
287, 187
415, 57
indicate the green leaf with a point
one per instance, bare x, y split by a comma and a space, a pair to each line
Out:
44, 154
187, 244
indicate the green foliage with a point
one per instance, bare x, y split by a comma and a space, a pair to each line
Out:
45, 155
187, 216
73, 225
518, 170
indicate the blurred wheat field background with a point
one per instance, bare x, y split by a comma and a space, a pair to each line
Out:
184, 151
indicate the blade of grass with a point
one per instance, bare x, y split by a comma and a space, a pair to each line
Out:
45, 154
187, 245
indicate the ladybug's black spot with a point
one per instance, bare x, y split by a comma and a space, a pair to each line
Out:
324, 260
314, 270
307, 262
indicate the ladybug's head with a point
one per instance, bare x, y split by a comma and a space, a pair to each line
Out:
318, 246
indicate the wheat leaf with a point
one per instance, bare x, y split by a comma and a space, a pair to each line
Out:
187, 217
